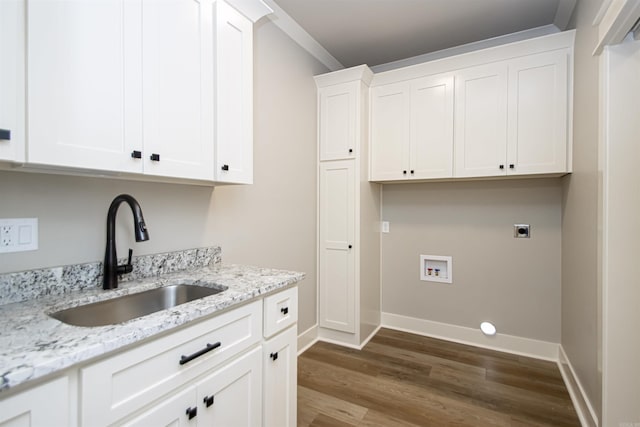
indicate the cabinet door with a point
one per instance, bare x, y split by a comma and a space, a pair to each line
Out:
338, 121
12, 89
84, 97
46, 405
172, 411
280, 379
177, 64
481, 121
337, 236
390, 132
232, 396
234, 94
431, 127
538, 93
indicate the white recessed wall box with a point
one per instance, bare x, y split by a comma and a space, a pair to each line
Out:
436, 268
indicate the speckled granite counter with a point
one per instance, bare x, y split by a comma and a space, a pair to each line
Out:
33, 345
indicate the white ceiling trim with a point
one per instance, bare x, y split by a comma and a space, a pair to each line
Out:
469, 47
300, 36
616, 22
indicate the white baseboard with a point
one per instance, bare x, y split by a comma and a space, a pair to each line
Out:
307, 339
508, 343
581, 403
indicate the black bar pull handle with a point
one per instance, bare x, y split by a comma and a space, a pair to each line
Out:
207, 349
5, 134
155, 157
225, 167
136, 154
192, 412
501, 166
284, 310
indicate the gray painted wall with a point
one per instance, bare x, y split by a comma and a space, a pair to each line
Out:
514, 283
580, 222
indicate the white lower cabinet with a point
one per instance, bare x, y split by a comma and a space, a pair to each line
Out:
236, 369
46, 405
337, 236
230, 397
280, 361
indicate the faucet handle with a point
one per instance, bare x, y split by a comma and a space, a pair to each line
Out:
128, 267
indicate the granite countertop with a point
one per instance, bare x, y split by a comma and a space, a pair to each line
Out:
33, 345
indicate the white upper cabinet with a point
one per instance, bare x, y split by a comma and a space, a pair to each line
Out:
390, 123
177, 70
12, 89
160, 88
412, 129
538, 110
84, 98
503, 111
234, 96
339, 124
481, 121
431, 136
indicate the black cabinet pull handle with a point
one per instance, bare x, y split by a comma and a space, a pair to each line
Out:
225, 167
512, 166
350, 246
412, 172
208, 348
350, 150
501, 166
274, 356
136, 154
5, 134
192, 412
404, 172
155, 157
208, 400
284, 310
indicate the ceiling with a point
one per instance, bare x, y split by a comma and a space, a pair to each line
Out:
376, 32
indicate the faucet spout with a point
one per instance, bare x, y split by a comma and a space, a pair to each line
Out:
111, 267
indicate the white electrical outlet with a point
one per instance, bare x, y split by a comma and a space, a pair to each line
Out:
18, 234
385, 226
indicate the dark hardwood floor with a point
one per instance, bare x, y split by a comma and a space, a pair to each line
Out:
401, 379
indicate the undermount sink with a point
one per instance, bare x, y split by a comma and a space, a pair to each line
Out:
127, 307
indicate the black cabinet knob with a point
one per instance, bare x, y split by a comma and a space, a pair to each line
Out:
225, 167
350, 150
512, 166
350, 246
136, 154
192, 412
155, 157
208, 400
5, 134
412, 172
501, 166
404, 172
274, 356
284, 310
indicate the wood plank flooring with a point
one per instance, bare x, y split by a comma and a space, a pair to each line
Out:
401, 379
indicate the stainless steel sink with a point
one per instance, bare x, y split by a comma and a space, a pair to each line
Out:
127, 307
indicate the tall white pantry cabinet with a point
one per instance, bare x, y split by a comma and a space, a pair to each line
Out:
348, 211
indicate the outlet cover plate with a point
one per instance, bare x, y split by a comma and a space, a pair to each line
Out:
18, 234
